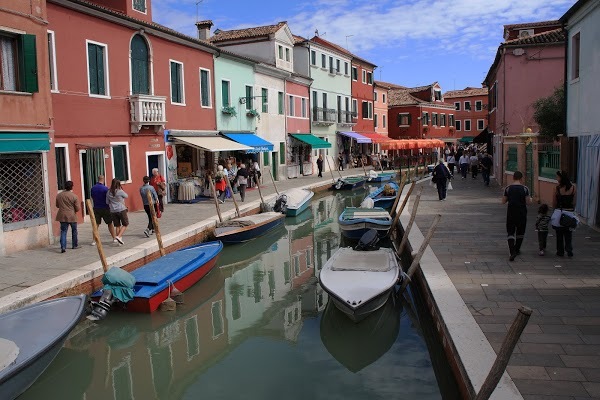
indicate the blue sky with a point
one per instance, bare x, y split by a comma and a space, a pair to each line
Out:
413, 42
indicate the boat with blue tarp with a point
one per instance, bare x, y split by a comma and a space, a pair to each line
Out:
385, 195
356, 221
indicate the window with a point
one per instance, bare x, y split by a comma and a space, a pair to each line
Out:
120, 159
457, 125
493, 97
287, 54
575, 55
313, 57
403, 119
365, 110
375, 95
323, 61
354, 73
370, 78
177, 93
437, 94
384, 120
338, 66
364, 76
280, 103
467, 106
205, 90
249, 97
354, 108
139, 5
457, 105
331, 70
480, 123
324, 101
63, 173
264, 96
192, 337
345, 68
442, 119
451, 120
97, 69
370, 110
478, 105
280, 52
281, 153
291, 111
315, 104
383, 98
218, 326
339, 109
425, 118
434, 119
51, 61
226, 93
140, 65
18, 63
375, 121
467, 124
303, 107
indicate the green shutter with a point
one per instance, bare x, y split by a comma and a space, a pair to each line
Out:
248, 97
281, 153
139, 66
266, 158
174, 85
225, 93
92, 68
280, 102
204, 88
120, 163
28, 64
100, 69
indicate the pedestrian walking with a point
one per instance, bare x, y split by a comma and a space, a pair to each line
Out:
67, 203
565, 198
517, 196
256, 174
220, 183
320, 165
101, 210
440, 177
147, 187
451, 163
340, 160
242, 181
158, 182
474, 162
115, 198
541, 226
463, 163
486, 168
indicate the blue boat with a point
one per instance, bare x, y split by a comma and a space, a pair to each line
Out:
349, 183
383, 196
246, 228
376, 177
180, 269
356, 221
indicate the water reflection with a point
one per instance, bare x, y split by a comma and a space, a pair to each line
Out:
249, 329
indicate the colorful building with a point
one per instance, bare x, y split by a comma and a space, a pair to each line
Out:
470, 116
380, 118
27, 187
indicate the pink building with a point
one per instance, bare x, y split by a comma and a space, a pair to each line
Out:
381, 90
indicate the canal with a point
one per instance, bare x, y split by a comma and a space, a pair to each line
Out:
258, 327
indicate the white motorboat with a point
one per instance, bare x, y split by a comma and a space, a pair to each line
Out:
359, 282
293, 201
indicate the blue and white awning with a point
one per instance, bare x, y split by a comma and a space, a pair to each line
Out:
258, 144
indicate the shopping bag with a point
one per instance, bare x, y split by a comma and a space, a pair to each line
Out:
449, 187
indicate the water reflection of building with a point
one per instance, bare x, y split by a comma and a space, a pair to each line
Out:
326, 229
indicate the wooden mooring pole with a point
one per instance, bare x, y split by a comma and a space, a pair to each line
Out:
399, 212
510, 341
272, 180
330, 170
96, 235
237, 209
415, 263
214, 193
408, 227
399, 194
161, 248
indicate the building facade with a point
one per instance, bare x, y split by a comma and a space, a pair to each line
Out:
380, 117
27, 189
470, 117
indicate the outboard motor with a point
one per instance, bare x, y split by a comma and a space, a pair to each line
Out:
101, 308
368, 241
280, 204
339, 184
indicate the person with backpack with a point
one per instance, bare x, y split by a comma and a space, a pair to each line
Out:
440, 177
518, 197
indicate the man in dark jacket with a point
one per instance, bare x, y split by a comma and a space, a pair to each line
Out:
486, 168
440, 176
518, 197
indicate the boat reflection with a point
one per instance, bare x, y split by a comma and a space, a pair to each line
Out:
358, 345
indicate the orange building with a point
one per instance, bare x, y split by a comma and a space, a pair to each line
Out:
471, 111
380, 119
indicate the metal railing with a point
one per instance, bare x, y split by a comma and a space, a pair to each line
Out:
512, 162
328, 115
549, 160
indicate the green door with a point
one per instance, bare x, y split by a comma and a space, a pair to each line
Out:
140, 76
274, 165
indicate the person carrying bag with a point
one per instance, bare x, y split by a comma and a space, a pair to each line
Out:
563, 220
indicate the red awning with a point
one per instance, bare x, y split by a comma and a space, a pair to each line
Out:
377, 138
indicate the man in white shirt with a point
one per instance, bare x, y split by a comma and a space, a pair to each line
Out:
474, 161
463, 163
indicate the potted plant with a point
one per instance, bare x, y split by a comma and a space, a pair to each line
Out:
452, 130
229, 110
425, 129
252, 113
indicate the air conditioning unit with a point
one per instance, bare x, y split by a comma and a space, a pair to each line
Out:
524, 33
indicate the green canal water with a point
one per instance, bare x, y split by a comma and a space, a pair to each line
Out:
257, 327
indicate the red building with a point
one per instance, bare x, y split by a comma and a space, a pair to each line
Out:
420, 112
122, 79
471, 110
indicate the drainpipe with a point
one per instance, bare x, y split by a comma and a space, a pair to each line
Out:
564, 164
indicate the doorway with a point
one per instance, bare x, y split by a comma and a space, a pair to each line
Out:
91, 165
156, 159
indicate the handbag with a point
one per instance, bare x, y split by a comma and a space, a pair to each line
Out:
566, 221
449, 187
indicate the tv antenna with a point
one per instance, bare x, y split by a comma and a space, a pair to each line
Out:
347, 36
197, 8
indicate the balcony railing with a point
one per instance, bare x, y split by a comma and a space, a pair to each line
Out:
146, 110
346, 118
325, 116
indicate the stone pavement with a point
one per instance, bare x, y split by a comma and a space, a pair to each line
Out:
558, 356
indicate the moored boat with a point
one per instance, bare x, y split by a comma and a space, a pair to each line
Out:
293, 201
246, 228
375, 177
356, 221
359, 282
31, 337
349, 183
385, 195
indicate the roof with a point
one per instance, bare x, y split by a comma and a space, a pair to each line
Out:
320, 40
532, 24
246, 33
553, 36
576, 7
466, 92
402, 97
389, 85
154, 25
298, 39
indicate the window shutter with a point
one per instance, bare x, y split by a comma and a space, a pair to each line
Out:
119, 162
100, 69
266, 158
282, 153
92, 68
174, 86
409, 119
225, 93
399, 120
29, 81
204, 88
365, 110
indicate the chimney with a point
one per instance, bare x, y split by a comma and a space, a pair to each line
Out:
204, 29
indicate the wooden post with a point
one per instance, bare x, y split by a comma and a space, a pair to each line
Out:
273, 180
237, 209
330, 170
399, 212
214, 193
96, 235
510, 341
262, 201
415, 264
338, 170
400, 189
363, 165
408, 227
161, 248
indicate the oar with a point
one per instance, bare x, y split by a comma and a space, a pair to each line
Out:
155, 223
273, 180
214, 193
237, 209
96, 235
330, 170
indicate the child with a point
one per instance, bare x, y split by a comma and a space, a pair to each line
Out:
541, 226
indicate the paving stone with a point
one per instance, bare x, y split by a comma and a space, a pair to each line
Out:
551, 338
582, 350
559, 329
493, 328
534, 359
580, 361
593, 388
591, 374
565, 374
554, 388
527, 372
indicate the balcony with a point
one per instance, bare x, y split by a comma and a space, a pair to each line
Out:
324, 116
346, 119
146, 110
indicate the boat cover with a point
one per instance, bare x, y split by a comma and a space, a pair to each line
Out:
347, 259
351, 213
120, 282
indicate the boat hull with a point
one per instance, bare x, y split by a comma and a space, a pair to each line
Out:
349, 184
383, 177
298, 200
383, 201
293, 212
355, 222
358, 314
246, 233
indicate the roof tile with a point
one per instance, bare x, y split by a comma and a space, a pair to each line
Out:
553, 36
246, 33
466, 92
